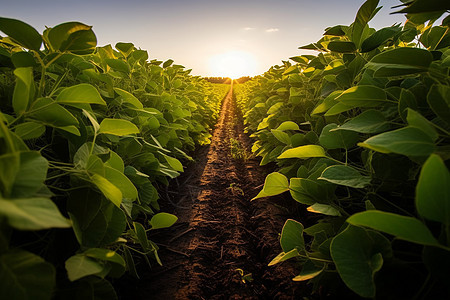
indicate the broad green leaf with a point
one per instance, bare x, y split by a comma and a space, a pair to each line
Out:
125, 48
415, 119
363, 16
117, 127
30, 175
9, 167
23, 59
327, 103
162, 220
174, 163
129, 98
324, 209
345, 175
49, 112
433, 191
141, 234
96, 221
119, 65
303, 152
122, 182
379, 38
32, 214
405, 228
115, 162
74, 37
438, 99
275, 183
283, 257
288, 125
408, 141
292, 236
79, 266
22, 33
29, 130
105, 254
337, 109
81, 157
309, 271
337, 139
24, 89
422, 6
363, 96
25, 276
281, 136
307, 191
407, 100
93, 121
401, 61
370, 121
167, 63
358, 256
80, 93
108, 189
341, 46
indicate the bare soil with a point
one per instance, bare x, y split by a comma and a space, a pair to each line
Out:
219, 229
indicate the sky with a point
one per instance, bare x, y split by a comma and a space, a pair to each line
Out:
208, 36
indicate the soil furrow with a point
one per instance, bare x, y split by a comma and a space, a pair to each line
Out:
222, 230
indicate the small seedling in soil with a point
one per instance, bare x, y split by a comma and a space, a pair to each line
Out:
235, 190
237, 151
245, 278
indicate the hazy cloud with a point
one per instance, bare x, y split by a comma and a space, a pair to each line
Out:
270, 30
248, 28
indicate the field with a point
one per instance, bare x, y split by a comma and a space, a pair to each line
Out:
326, 177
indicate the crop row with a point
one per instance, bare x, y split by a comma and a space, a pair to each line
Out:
361, 136
87, 135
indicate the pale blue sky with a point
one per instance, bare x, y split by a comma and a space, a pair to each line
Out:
193, 31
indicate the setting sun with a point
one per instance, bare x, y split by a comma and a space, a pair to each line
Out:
233, 64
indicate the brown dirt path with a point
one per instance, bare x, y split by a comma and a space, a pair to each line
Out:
219, 229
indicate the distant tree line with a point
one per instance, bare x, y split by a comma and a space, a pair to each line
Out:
227, 80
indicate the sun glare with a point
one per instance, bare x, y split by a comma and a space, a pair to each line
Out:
233, 64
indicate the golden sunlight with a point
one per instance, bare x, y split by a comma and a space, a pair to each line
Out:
233, 64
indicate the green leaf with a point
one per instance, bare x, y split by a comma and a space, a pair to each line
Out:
74, 37
288, 125
22, 33
25, 276
408, 141
405, 228
51, 113
337, 139
363, 16
283, 257
438, 99
174, 163
421, 6
370, 121
433, 191
105, 255
79, 266
80, 93
303, 152
292, 236
32, 214
122, 182
309, 271
129, 98
141, 235
357, 254
415, 119
167, 63
115, 162
380, 37
108, 189
29, 130
30, 176
341, 46
345, 175
162, 220
327, 103
275, 183
324, 209
401, 61
281, 136
125, 48
24, 89
308, 191
119, 65
23, 59
363, 96
117, 127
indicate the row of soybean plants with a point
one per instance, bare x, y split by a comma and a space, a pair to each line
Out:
361, 135
87, 134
